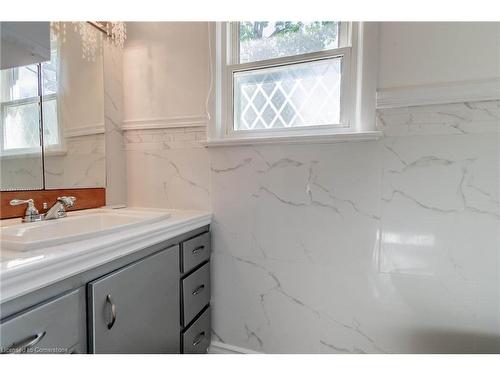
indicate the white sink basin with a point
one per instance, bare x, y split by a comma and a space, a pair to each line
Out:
79, 226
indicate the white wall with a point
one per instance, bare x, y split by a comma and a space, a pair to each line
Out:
423, 53
81, 84
166, 65
166, 77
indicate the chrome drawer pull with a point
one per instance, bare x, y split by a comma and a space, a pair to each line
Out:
24, 345
198, 250
113, 311
199, 338
198, 290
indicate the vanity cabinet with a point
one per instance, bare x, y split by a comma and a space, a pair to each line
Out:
135, 309
155, 300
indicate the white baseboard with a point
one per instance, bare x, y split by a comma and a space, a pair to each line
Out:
217, 347
446, 93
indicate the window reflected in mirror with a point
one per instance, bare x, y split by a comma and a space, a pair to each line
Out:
20, 144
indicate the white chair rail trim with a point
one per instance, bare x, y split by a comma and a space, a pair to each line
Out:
83, 130
446, 93
165, 122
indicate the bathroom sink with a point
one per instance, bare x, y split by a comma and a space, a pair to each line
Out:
76, 227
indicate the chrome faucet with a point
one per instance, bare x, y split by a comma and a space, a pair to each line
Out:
58, 210
31, 214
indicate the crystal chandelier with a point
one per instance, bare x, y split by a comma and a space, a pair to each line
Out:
92, 35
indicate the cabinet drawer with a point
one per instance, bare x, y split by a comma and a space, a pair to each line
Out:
195, 251
196, 293
196, 339
57, 326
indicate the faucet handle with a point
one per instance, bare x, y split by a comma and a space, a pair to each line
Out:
31, 213
67, 201
17, 202
30, 210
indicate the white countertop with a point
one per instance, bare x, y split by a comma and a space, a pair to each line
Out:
24, 272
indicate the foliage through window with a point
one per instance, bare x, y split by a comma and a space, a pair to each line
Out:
268, 40
285, 76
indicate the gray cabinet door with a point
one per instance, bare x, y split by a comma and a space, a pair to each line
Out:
136, 309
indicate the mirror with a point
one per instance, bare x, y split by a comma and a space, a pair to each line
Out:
70, 89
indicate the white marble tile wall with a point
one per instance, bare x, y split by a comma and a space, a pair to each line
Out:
388, 246
21, 172
295, 246
385, 246
167, 168
441, 223
82, 165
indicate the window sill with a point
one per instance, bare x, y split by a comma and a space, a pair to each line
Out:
297, 139
34, 155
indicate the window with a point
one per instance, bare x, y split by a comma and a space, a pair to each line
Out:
284, 78
22, 89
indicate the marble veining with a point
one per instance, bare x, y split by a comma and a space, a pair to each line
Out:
376, 247
23, 172
174, 163
445, 119
386, 246
82, 165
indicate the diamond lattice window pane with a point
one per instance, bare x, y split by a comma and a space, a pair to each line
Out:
21, 126
50, 126
305, 94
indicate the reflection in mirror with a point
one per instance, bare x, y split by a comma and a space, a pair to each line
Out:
73, 115
20, 143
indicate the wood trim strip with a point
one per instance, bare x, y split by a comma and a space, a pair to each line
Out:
85, 199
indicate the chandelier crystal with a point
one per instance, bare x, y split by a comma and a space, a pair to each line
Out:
92, 35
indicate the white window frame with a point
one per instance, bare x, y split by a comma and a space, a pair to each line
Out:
31, 151
226, 56
27, 151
